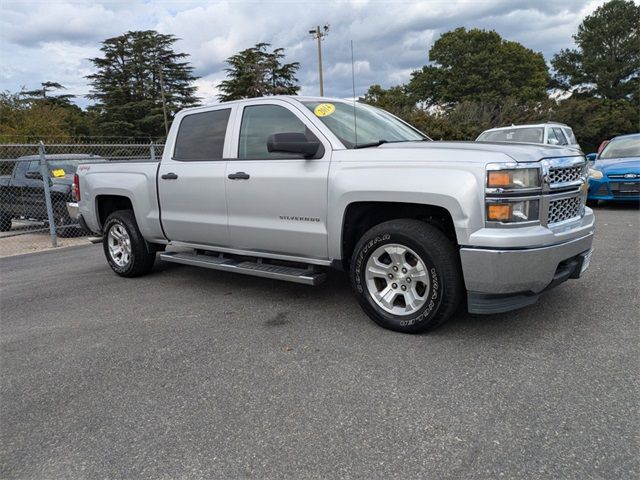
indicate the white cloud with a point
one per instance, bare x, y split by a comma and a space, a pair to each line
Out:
51, 40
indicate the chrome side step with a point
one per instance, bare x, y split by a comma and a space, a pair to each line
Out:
307, 276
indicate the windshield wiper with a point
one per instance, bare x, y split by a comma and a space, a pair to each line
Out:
372, 144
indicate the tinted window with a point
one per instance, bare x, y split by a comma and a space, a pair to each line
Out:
201, 136
260, 121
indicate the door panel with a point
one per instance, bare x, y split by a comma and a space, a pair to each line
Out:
282, 206
193, 205
192, 193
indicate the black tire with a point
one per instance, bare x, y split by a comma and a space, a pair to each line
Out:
592, 203
140, 260
65, 227
5, 222
442, 296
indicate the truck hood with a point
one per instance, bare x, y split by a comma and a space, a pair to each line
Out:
520, 152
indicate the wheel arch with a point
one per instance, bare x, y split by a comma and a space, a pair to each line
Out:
360, 216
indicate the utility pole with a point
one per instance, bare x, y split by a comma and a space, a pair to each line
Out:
319, 35
164, 102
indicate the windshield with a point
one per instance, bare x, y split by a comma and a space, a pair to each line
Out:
373, 125
622, 147
524, 135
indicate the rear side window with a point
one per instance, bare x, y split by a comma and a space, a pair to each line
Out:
201, 136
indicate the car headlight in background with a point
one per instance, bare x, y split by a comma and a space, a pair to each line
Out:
505, 211
595, 174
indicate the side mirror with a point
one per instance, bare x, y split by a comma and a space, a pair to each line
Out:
292, 143
591, 157
33, 175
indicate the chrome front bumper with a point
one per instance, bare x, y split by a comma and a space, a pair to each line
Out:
503, 280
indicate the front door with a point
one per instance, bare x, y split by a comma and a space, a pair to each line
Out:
191, 181
277, 201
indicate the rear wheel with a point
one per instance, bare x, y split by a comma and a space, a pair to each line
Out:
406, 276
125, 248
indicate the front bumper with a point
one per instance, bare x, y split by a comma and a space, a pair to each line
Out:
614, 189
503, 280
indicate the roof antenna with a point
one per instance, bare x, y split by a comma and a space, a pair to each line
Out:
353, 88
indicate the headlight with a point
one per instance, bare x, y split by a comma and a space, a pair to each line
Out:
513, 211
513, 179
595, 174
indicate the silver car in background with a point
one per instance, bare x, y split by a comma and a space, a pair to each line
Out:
550, 133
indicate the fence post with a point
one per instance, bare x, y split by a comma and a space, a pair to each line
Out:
153, 151
44, 171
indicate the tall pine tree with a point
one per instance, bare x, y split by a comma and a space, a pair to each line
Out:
135, 70
256, 72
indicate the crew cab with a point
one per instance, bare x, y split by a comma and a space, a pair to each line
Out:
286, 187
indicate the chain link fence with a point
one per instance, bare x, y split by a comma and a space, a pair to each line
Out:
36, 184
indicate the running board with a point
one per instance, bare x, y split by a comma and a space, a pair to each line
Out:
307, 276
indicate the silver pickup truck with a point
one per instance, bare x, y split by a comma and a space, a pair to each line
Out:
285, 187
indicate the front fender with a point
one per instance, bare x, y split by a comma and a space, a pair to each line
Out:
454, 188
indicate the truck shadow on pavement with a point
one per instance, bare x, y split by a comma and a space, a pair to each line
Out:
333, 302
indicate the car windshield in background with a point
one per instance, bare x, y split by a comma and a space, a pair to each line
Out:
524, 135
623, 147
374, 126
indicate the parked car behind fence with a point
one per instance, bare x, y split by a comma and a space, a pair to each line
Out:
28, 203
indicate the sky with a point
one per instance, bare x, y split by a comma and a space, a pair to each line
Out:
53, 40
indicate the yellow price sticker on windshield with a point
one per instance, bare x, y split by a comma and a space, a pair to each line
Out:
58, 172
324, 109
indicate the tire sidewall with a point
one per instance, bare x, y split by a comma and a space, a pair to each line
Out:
111, 221
424, 317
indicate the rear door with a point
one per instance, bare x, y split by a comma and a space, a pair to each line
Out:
277, 201
191, 180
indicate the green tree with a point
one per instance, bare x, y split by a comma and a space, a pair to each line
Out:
134, 71
256, 72
394, 99
41, 94
607, 60
479, 65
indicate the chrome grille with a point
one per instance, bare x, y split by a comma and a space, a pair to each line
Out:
564, 175
565, 209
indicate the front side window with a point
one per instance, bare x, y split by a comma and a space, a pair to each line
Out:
361, 124
260, 121
201, 136
560, 136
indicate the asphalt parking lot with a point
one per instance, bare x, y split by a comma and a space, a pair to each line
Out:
190, 373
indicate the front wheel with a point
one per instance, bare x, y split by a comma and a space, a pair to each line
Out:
124, 246
406, 276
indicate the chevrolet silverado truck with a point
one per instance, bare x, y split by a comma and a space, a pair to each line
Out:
286, 187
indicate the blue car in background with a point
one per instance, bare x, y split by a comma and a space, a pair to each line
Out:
617, 171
